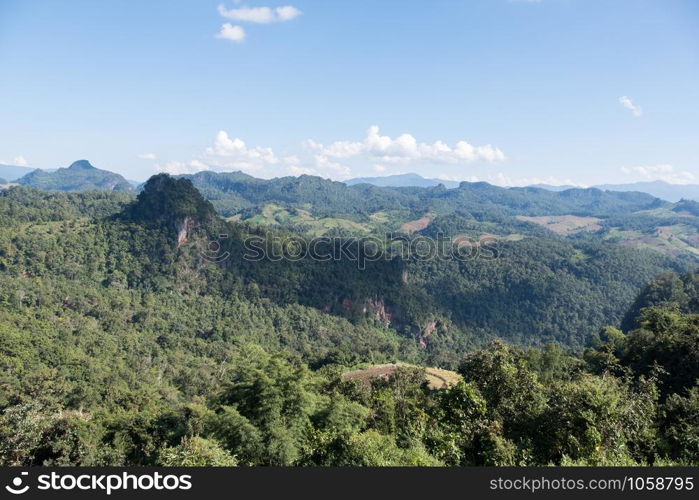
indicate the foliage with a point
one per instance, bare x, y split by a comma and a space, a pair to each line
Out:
120, 344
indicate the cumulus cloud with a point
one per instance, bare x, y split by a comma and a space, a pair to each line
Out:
663, 172
235, 153
328, 168
232, 33
635, 109
229, 154
405, 149
336, 160
179, 168
260, 15
147, 156
255, 15
20, 161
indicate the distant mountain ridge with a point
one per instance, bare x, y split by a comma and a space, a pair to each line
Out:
79, 176
402, 180
13, 172
659, 189
235, 192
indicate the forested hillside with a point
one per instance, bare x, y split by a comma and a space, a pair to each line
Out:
122, 341
316, 207
531, 291
231, 192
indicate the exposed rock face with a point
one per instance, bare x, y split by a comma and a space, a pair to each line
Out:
185, 230
375, 308
378, 309
426, 332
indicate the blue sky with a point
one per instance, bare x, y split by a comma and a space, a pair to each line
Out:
511, 92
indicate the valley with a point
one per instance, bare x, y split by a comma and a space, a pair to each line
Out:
111, 304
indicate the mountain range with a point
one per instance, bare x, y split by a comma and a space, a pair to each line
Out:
659, 189
402, 180
314, 206
82, 176
129, 339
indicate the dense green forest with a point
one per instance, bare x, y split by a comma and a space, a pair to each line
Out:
122, 342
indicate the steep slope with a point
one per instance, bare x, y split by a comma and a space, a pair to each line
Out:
79, 176
677, 291
166, 200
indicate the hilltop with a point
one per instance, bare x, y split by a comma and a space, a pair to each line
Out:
79, 176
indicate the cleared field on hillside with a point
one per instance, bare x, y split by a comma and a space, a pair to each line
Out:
462, 240
673, 240
418, 224
436, 377
564, 224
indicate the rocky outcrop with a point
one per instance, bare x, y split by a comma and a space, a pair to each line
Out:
426, 332
377, 308
185, 230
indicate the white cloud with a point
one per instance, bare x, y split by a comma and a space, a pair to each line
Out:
635, 109
260, 15
228, 154
287, 13
293, 166
230, 32
18, 161
336, 160
234, 153
327, 167
147, 156
179, 168
405, 149
663, 172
